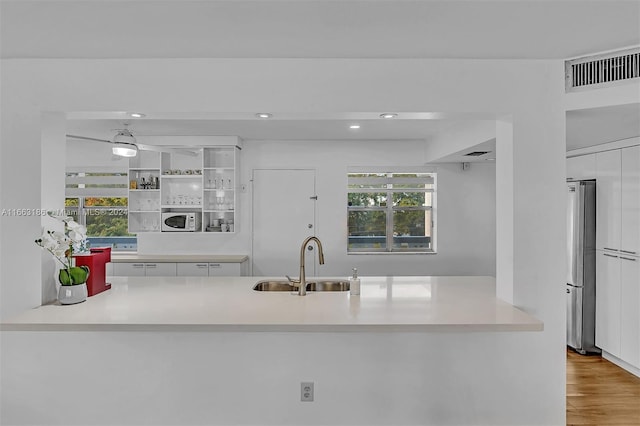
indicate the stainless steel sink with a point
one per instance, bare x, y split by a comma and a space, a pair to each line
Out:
274, 286
320, 285
329, 285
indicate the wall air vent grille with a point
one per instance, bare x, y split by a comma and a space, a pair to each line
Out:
476, 153
600, 70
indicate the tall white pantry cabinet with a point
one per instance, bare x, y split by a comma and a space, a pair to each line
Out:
618, 253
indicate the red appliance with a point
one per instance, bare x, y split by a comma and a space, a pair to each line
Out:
96, 260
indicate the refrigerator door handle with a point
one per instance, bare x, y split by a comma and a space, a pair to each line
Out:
628, 258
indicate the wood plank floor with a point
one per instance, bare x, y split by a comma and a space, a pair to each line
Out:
600, 393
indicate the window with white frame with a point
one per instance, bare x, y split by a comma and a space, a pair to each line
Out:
391, 212
98, 199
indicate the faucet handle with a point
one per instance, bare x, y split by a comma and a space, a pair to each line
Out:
295, 283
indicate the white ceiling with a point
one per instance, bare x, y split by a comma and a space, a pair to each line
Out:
272, 129
316, 28
511, 29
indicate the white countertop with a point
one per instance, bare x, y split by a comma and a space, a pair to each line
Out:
195, 258
229, 304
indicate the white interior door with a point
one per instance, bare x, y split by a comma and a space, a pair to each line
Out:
283, 216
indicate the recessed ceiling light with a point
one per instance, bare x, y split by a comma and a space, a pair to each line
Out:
354, 126
388, 115
264, 115
136, 114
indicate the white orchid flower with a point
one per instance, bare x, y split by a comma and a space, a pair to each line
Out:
76, 236
63, 244
60, 237
73, 225
48, 242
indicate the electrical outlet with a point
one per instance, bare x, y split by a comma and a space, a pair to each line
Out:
306, 391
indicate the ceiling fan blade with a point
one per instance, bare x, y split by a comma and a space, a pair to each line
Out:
88, 139
184, 151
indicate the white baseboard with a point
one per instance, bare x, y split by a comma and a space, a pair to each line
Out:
620, 363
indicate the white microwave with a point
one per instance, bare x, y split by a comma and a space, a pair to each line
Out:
181, 221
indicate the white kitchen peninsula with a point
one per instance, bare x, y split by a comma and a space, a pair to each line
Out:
210, 350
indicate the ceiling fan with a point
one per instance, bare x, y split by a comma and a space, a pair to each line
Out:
125, 144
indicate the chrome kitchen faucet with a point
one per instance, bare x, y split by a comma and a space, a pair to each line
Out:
302, 282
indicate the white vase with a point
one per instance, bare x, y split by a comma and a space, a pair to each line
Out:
72, 294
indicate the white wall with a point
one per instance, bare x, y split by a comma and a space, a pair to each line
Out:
465, 222
532, 91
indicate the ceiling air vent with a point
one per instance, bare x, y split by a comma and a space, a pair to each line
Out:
476, 153
601, 70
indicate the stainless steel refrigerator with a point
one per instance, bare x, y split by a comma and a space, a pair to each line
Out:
581, 262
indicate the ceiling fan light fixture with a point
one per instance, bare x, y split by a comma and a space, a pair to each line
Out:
124, 149
124, 136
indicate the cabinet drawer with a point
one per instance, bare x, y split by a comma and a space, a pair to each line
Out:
160, 269
193, 269
128, 269
224, 269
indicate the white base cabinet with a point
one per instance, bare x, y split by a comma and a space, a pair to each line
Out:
630, 310
608, 299
618, 253
141, 269
193, 269
180, 269
617, 301
224, 269
204, 269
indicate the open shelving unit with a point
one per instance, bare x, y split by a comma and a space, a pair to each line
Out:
206, 184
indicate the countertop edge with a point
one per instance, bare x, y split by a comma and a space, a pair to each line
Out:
226, 258
302, 328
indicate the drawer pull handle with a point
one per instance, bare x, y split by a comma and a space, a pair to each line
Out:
607, 248
215, 265
151, 265
138, 265
627, 258
202, 265
628, 252
610, 255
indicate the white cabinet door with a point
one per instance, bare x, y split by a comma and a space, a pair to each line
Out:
582, 167
160, 269
224, 269
128, 269
608, 203
608, 301
193, 269
630, 199
630, 310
